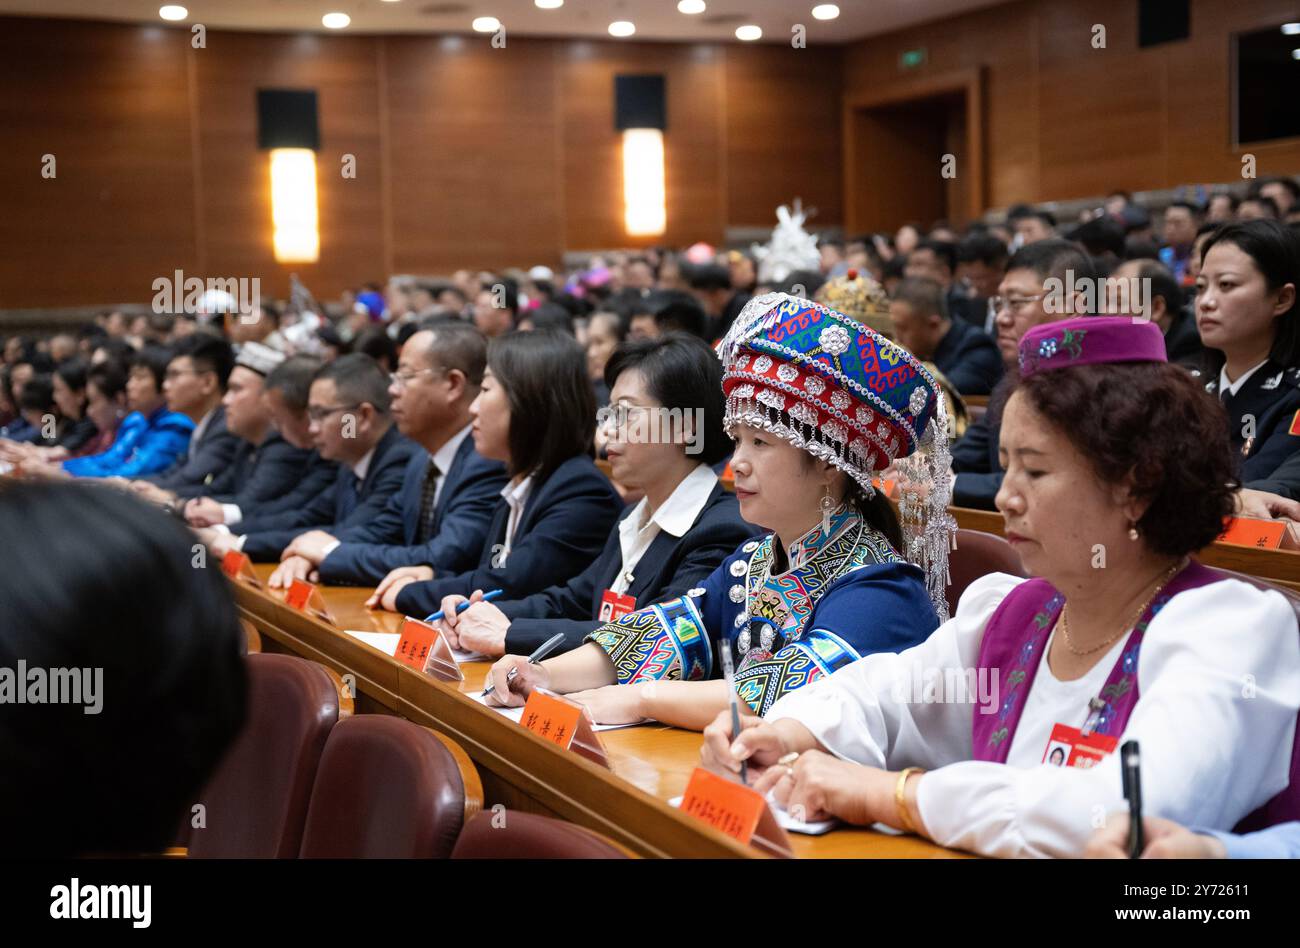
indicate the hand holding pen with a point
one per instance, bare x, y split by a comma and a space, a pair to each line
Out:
535, 658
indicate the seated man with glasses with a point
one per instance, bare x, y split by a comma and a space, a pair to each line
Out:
350, 425
440, 515
1024, 301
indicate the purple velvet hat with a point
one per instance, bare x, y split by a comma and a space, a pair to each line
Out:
1090, 340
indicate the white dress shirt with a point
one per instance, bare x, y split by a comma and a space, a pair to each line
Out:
675, 516
1219, 674
1232, 388
516, 497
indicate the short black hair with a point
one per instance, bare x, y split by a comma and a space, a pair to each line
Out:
924, 295
129, 598
108, 377
37, 394
209, 353
681, 372
682, 312
1162, 284
292, 379
1053, 257
1259, 184
551, 316
1191, 207
1098, 236
707, 276
358, 380
509, 294
983, 248
552, 405
154, 359
376, 343
944, 251
460, 346
73, 373
1267, 203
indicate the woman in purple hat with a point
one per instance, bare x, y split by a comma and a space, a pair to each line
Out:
817, 405
1117, 470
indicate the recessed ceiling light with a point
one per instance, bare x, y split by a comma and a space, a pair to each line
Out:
826, 11
173, 12
622, 28
486, 24
335, 21
690, 7
1290, 29
749, 32
549, 4
1295, 54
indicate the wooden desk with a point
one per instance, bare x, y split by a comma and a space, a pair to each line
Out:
650, 764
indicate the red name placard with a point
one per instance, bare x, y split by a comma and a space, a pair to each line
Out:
563, 722
238, 566
732, 808
306, 597
423, 648
1247, 531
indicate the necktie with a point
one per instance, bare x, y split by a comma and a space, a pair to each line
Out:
424, 531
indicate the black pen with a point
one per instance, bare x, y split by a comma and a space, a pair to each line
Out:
539, 653
1130, 766
729, 676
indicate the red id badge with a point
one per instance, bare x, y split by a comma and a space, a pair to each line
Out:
615, 605
1068, 747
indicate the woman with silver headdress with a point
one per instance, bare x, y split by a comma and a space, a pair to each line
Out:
817, 404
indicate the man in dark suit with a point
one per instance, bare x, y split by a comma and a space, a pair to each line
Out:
266, 466
440, 516
967, 357
350, 426
194, 385
1022, 303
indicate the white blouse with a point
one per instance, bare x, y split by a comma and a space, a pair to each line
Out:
1219, 690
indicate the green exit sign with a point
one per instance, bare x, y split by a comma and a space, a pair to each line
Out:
911, 58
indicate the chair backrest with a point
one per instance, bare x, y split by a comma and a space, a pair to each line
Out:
512, 834
978, 554
252, 638
387, 788
256, 803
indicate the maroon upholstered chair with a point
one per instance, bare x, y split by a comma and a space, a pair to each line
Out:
511, 834
978, 554
387, 788
252, 638
256, 803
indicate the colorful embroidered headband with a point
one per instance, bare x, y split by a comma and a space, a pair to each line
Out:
1090, 340
842, 392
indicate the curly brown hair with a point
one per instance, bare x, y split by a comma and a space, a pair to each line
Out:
1155, 427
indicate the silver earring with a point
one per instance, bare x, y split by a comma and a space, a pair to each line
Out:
827, 505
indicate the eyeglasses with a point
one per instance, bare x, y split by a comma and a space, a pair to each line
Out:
998, 303
172, 374
402, 379
317, 414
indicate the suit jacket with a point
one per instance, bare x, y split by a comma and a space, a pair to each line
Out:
259, 473
1284, 481
208, 456
563, 527
342, 505
318, 475
669, 568
975, 455
1263, 419
969, 358
471, 490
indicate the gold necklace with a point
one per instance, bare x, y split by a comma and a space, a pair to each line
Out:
1065, 617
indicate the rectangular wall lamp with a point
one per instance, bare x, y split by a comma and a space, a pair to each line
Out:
287, 127
640, 114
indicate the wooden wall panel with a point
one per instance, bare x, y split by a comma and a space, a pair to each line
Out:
1065, 120
783, 133
694, 159
235, 203
109, 102
474, 153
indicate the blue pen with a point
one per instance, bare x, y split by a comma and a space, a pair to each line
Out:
487, 597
